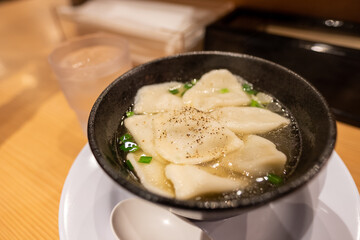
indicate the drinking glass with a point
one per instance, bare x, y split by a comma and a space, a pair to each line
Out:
85, 65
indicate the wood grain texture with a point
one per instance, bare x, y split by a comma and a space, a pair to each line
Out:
348, 148
39, 133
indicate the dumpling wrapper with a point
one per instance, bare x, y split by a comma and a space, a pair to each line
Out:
190, 181
157, 98
257, 158
190, 136
141, 129
208, 93
249, 120
151, 175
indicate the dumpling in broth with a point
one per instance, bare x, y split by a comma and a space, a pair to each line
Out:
249, 120
257, 158
152, 176
202, 140
140, 127
190, 181
208, 93
190, 136
156, 98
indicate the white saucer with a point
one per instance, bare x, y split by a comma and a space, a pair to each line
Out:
327, 208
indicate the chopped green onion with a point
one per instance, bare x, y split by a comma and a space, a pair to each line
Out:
129, 113
174, 91
224, 90
129, 147
188, 85
255, 103
134, 148
274, 179
125, 137
130, 166
249, 89
145, 159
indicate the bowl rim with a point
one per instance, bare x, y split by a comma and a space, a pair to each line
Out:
215, 206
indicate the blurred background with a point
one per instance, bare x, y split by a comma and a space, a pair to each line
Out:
317, 39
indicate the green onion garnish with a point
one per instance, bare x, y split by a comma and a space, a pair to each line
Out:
249, 89
130, 166
194, 81
274, 179
129, 113
255, 103
127, 144
174, 91
188, 85
145, 159
129, 147
125, 137
134, 148
224, 90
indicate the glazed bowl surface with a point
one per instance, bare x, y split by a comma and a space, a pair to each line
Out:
316, 124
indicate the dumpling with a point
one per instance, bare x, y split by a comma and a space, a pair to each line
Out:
151, 175
258, 157
190, 181
141, 129
216, 88
190, 136
157, 98
249, 120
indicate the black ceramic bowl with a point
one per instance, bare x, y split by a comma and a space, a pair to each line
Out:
316, 123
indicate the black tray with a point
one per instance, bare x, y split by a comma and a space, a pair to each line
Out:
333, 70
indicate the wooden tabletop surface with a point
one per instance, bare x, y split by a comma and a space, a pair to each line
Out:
39, 134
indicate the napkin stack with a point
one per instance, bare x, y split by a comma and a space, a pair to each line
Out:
153, 28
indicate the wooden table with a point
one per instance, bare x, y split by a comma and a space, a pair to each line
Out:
39, 133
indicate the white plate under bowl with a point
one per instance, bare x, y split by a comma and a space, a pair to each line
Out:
327, 208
